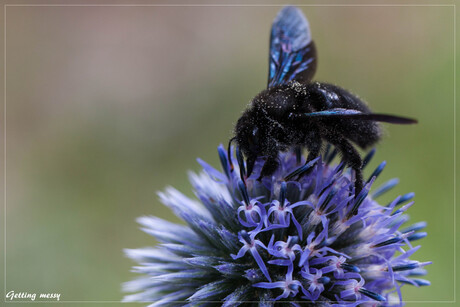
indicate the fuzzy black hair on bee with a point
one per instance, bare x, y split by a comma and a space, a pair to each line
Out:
294, 112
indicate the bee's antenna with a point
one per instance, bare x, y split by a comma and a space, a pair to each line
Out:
229, 152
240, 159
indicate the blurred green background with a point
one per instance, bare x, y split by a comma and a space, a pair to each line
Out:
108, 105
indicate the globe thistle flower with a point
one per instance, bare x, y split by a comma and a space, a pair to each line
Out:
300, 237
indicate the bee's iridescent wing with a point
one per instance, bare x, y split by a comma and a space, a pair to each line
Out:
354, 114
292, 51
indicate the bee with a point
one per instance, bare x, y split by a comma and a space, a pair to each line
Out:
294, 112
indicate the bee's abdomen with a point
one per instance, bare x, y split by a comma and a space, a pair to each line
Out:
325, 96
363, 133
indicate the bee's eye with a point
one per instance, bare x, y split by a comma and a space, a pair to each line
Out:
255, 135
253, 139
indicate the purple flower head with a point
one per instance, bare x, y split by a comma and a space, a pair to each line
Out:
299, 237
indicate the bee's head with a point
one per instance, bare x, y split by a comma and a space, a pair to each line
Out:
248, 134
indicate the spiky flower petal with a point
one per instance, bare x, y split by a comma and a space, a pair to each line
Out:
298, 237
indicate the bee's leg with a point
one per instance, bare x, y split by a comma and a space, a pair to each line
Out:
313, 144
351, 157
314, 147
298, 154
270, 166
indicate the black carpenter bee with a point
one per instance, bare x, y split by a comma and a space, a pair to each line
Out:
295, 113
